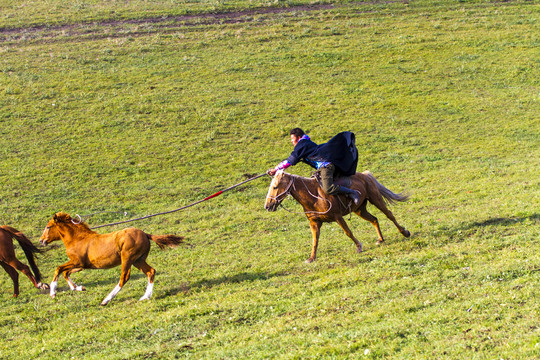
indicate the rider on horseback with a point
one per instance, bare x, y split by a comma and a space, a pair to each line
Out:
337, 157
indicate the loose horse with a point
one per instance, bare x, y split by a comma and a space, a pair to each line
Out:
87, 249
320, 208
10, 263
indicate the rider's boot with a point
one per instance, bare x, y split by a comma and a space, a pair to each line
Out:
353, 194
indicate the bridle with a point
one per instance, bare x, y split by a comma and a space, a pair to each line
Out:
45, 235
75, 222
284, 194
287, 192
48, 228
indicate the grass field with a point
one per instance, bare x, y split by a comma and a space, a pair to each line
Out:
143, 107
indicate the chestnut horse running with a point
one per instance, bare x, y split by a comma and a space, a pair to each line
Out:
87, 249
10, 263
320, 208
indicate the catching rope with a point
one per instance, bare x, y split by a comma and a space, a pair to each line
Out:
183, 207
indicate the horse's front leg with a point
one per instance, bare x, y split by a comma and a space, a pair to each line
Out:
315, 226
59, 270
70, 282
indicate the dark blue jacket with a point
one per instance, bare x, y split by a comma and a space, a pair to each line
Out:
340, 151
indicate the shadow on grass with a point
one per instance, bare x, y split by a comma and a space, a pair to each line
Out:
501, 222
234, 279
498, 225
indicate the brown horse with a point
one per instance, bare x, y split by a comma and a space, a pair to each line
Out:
87, 249
10, 263
320, 208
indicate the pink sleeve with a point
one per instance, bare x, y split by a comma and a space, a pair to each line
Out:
283, 165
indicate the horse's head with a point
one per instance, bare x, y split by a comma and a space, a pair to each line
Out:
279, 189
52, 232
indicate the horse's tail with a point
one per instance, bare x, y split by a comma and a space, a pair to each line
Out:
28, 247
164, 241
388, 195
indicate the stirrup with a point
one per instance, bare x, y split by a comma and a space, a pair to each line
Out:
354, 195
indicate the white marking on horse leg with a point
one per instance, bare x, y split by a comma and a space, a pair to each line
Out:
148, 293
74, 286
71, 284
53, 288
111, 295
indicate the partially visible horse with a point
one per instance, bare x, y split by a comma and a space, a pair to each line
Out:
320, 208
10, 263
87, 249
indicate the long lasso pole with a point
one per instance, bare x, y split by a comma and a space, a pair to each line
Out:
183, 207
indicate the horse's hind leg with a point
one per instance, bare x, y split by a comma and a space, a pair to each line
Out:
16, 264
150, 273
390, 216
381, 205
124, 277
364, 214
341, 222
14, 276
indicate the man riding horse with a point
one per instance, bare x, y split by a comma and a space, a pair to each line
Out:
337, 157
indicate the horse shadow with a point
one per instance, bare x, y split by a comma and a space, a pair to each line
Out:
234, 279
506, 221
463, 230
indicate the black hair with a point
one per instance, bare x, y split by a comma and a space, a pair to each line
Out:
297, 132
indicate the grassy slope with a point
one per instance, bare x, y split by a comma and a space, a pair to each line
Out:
444, 100
22, 13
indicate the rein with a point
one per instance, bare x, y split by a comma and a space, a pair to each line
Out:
288, 191
183, 207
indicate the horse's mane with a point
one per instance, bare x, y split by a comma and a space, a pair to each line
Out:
85, 226
65, 218
300, 177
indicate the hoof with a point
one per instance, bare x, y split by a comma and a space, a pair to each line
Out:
406, 233
15, 295
380, 241
103, 303
359, 249
42, 286
309, 261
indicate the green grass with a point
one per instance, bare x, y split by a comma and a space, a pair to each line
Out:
55, 12
443, 97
